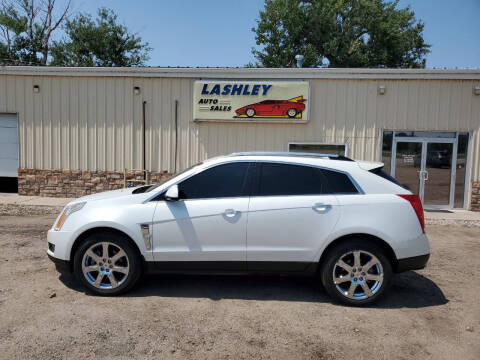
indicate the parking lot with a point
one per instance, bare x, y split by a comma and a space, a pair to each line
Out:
433, 313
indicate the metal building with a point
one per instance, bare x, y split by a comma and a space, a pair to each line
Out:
83, 130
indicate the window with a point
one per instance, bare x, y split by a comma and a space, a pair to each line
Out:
227, 180
386, 154
318, 148
285, 179
339, 183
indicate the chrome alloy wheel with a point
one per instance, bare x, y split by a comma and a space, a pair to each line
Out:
358, 275
105, 265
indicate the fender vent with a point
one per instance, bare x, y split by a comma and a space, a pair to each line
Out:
147, 238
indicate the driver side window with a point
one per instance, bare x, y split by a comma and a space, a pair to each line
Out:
221, 181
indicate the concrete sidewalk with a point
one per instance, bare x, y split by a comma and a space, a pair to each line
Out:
456, 214
452, 217
15, 199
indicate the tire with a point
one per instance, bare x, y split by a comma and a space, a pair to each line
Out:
348, 275
118, 274
291, 113
250, 112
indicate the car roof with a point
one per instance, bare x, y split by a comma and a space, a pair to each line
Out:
332, 161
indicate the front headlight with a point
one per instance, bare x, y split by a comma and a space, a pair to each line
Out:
69, 209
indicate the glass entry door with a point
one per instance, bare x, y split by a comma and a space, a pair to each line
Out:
438, 172
427, 168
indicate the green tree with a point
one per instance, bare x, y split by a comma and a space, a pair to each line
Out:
26, 29
99, 42
339, 33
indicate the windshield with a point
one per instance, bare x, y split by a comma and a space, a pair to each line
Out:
155, 186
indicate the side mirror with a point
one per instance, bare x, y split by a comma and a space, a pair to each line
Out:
172, 193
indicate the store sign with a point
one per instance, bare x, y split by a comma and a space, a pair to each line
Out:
278, 101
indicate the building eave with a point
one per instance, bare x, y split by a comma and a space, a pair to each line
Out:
243, 73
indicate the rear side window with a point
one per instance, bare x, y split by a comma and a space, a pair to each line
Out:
380, 172
339, 183
285, 179
227, 180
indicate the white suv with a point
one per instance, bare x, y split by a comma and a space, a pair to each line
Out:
291, 213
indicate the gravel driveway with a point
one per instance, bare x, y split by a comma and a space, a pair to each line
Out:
432, 313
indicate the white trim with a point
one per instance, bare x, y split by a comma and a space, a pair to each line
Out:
345, 145
245, 73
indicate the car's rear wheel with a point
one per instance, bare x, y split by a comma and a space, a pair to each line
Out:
250, 112
292, 112
356, 272
107, 264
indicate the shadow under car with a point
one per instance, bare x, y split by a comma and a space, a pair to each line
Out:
409, 289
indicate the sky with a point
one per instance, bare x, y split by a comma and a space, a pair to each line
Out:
218, 32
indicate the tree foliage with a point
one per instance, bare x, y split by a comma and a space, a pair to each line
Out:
339, 33
99, 42
26, 28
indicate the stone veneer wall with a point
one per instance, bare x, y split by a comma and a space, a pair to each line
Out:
475, 203
75, 183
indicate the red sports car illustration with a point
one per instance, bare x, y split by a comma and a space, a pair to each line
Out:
274, 108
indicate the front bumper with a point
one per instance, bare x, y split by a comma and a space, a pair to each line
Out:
62, 244
59, 247
412, 263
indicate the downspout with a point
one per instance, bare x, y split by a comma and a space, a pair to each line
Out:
176, 137
144, 152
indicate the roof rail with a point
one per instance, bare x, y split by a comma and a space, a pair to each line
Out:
287, 153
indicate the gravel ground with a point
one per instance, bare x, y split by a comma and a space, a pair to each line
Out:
429, 314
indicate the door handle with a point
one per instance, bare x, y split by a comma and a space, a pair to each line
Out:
321, 207
230, 213
423, 174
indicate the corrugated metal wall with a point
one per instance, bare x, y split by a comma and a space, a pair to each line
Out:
95, 123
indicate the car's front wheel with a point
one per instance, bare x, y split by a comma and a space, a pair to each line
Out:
292, 112
356, 272
250, 112
107, 264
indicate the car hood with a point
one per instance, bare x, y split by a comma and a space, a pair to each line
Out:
107, 195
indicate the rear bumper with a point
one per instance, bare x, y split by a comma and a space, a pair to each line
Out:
62, 266
412, 263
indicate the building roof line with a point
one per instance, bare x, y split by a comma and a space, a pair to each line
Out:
244, 73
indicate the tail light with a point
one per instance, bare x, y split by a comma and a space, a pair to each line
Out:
414, 200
